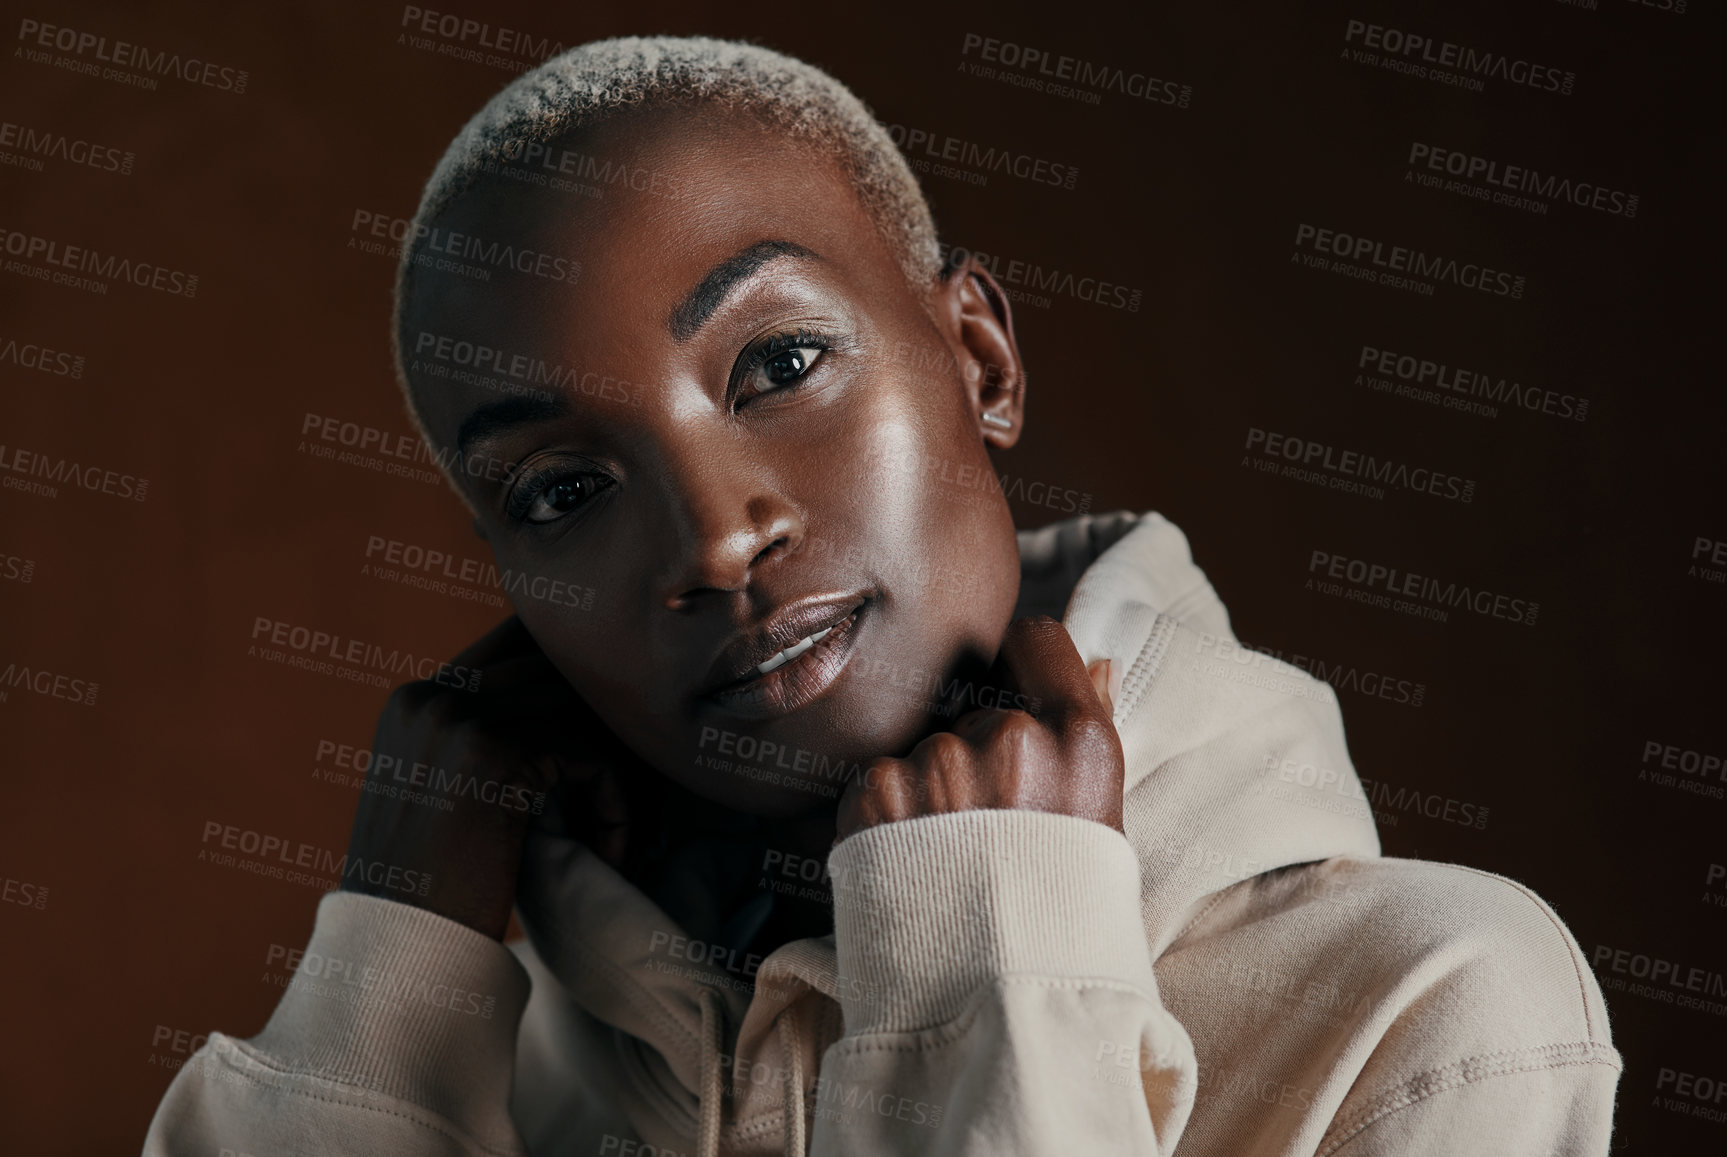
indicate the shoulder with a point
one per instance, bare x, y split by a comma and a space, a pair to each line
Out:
1483, 952
1488, 1013
1480, 962
1385, 984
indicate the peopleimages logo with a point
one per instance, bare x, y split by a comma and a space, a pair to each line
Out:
62, 263
1427, 380
443, 573
1376, 585
474, 41
535, 163
1500, 184
429, 242
482, 365
1340, 676
1344, 469
1427, 58
123, 55
925, 145
1395, 264
1043, 71
33, 464
41, 358
1669, 981
1031, 280
326, 651
50, 684
276, 852
36, 145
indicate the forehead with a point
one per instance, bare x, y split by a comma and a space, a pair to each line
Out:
586, 246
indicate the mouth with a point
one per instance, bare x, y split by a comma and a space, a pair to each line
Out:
792, 662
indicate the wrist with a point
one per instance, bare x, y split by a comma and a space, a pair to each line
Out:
468, 876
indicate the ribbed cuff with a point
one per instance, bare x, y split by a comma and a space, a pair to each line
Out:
408, 1004
927, 911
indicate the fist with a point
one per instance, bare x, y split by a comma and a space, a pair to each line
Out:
1064, 758
462, 775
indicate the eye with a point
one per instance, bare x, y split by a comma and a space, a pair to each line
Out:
553, 494
777, 364
790, 365
778, 370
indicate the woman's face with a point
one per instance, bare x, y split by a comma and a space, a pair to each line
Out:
756, 432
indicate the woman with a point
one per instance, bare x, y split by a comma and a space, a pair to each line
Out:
850, 847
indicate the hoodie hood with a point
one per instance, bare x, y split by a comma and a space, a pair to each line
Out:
720, 1046
1236, 762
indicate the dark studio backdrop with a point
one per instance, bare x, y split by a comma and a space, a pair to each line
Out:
1296, 244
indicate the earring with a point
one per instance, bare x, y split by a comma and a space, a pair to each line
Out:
998, 420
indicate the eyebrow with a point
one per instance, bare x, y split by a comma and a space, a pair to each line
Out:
699, 304
497, 417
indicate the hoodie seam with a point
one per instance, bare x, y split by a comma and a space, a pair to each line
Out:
1213, 901
1146, 666
1422, 1086
425, 1118
948, 1032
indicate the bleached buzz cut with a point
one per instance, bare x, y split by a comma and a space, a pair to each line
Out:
594, 82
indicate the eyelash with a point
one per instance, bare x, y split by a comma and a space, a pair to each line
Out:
528, 490
765, 351
531, 486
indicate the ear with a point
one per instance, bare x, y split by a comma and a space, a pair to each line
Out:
978, 323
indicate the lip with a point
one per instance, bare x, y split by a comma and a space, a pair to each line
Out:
740, 688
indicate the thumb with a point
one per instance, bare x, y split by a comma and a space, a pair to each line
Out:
1104, 680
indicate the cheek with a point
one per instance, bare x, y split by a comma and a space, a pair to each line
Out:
897, 454
939, 505
591, 651
922, 467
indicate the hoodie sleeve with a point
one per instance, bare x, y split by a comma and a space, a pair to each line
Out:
998, 995
396, 1036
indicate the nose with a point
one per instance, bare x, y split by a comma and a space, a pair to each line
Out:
731, 520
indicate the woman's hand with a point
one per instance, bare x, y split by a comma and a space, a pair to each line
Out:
1066, 758
458, 777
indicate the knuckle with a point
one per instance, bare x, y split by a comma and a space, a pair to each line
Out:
875, 774
1017, 734
1093, 734
943, 749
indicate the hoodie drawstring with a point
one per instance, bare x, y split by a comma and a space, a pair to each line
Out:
794, 1086
709, 1096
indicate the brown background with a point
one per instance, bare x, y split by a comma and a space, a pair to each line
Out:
1543, 726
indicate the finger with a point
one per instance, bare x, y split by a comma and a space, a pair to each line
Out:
971, 725
945, 766
881, 793
1105, 682
1042, 661
994, 741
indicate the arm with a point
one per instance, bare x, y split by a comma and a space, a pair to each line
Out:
999, 997
998, 992
396, 1036
397, 1033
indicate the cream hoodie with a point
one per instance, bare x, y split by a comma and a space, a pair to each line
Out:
1244, 974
